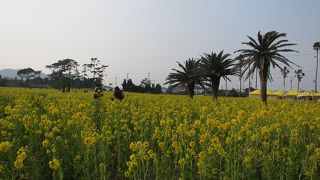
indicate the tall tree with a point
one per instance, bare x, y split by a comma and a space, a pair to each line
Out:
97, 69
299, 75
285, 71
213, 67
26, 74
262, 54
187, 76
63, 73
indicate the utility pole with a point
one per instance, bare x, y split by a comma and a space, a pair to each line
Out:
115, 81
316, 84
226, 86
316, 46
240, 78
127, 77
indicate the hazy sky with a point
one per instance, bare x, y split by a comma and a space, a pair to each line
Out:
142, 36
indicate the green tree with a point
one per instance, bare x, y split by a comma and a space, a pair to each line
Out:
187, 76
97, 69
213, 67
144, 87
26, 74
128, 85
262, 54
63, 73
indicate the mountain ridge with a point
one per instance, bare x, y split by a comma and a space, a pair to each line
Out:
12, 73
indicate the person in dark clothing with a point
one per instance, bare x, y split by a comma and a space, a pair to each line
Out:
98, 91
118, 93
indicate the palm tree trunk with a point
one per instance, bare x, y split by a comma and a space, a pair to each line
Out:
190, 88
263, 85
215, 88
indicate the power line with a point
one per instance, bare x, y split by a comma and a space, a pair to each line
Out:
305, 54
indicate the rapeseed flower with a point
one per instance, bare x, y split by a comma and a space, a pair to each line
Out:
5, 146
54, 164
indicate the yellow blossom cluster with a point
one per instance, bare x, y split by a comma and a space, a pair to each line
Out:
54, 164
5, 146
21, 156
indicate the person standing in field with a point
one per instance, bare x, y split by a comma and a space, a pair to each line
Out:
118, 93
98, 91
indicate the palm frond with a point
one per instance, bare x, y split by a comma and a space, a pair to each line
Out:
263, 52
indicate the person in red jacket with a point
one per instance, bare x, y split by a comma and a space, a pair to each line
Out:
118, 93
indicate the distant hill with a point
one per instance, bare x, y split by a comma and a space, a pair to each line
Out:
12, 73
9, 73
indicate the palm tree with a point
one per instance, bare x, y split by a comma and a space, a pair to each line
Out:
299, 75
285, 71
316, 46
213, 67
262, 54
187, 76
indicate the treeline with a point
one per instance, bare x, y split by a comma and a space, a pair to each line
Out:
66, 74
27, 78
145, 86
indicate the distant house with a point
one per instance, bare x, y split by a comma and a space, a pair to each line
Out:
269, 93
304, 96
277, 94
291, 95
316, 96
255, 94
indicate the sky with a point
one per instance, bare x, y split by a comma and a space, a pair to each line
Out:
137, 37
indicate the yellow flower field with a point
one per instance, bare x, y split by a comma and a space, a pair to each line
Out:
45, 134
